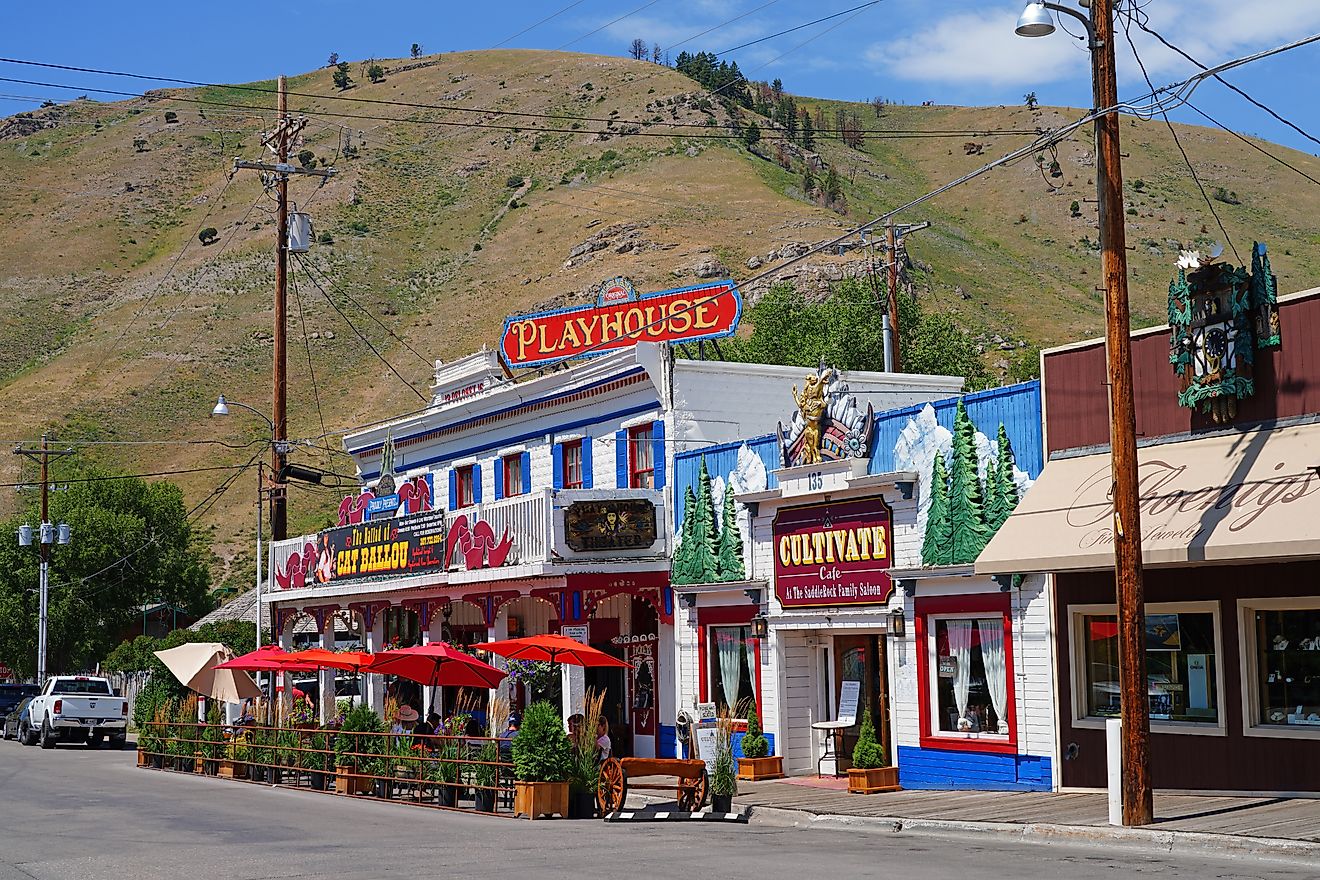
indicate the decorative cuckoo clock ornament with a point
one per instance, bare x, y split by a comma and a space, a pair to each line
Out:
1219, 316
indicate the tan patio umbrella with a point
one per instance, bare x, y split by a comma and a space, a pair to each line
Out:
194, 665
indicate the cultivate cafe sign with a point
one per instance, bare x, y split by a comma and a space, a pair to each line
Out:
619, 319
833, 554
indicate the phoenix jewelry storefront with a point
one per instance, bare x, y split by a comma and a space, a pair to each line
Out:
1231, 549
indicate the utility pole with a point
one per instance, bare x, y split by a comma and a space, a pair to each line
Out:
891, 248
280, 142
1138, 800
47, 537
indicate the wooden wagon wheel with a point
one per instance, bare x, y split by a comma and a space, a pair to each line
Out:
613, 788
693, 796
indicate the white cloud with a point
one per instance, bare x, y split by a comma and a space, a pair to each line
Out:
979, 48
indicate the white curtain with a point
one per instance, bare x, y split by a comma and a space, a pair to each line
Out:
960, 646
727, 644
992, 655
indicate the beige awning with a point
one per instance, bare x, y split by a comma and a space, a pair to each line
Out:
1236, 497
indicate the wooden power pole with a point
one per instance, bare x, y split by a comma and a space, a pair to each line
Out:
891, 241
280, 141
1138, 801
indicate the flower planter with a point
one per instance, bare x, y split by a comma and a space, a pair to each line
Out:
142, 758
211, 767
872, 781
581, 805
446, 795
318, 779
484, 800
721, 803
232, 770
157, 762
537, 799
753, 769
347, 782
257, 772
382, 788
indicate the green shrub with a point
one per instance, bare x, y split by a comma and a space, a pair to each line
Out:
541, 751
514, 181
208, 235
868, 754
754, 744
171, 116
360, 719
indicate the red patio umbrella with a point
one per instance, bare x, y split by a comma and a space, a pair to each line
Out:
349, 661
435, 665
268, 658
554, 648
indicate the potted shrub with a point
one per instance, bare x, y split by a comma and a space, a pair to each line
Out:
355, 744
235, 765
584, 773
259, 754
184, 737
314, 759
285, 757
485, 773
723, 780
869, 773
152, 738
541, 760
757, 762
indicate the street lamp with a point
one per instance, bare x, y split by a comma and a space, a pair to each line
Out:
1035, 21
221, 408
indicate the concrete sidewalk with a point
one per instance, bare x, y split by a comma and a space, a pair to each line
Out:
1283, 826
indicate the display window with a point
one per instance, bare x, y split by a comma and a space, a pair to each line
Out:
1183, 676
732, 663
1281, 659
965, 661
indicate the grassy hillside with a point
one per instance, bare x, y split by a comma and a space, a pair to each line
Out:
117, 325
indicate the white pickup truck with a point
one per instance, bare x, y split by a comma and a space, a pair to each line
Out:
76, 708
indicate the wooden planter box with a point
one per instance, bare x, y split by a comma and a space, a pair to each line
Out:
872, 781
142, 757
537, 799
754, 769
349, 783
228, 770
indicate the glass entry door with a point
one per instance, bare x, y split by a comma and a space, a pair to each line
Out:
862, 658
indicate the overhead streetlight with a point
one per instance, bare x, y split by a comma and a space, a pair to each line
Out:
1035, 21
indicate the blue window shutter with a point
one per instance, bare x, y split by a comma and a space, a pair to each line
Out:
557, 466
526, 472
621, 459
658, 452
586, 463
453, 489
499, 478
476, 484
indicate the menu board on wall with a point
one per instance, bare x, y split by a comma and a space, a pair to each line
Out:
833, 554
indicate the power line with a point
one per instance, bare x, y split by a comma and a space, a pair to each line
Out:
721, 24
307, 343
538, 24
790, 30
644, 6
109, 477
1249, 142
1142, 21
1177, 142
311, 268
360, 335
384, 102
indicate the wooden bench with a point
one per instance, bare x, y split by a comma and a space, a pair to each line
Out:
690, 788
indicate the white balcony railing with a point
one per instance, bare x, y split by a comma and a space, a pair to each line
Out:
524, 518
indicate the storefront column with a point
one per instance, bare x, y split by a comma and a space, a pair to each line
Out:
327, 676
573, 688
666, 699
376, 683
428, 635
283, 681
496, 632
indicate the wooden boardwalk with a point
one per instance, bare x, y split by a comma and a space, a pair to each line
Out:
1286, 818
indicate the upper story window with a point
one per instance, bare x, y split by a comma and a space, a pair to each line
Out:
465, 480
641, 458
513, 475
572, 464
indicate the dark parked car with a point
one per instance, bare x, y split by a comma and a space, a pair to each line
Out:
13, 694
13, 724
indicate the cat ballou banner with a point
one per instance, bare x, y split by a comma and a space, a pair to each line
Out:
399, 545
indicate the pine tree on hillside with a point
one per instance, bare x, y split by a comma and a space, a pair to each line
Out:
935, 548
681, 568
968, 530
730, 557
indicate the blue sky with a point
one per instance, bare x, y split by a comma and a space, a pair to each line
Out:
946, 51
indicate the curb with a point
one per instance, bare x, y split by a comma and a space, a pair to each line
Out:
1044, 833
1174, 842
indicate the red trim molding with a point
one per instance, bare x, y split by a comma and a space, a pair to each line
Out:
989, 603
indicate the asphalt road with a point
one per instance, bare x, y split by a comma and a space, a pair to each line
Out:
75, 814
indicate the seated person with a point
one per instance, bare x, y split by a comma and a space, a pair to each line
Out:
603, 745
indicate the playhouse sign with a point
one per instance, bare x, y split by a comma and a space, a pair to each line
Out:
619, 319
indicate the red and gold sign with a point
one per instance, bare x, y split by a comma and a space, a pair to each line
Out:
689, 314
833, 554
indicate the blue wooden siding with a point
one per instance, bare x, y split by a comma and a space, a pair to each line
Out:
1016, 406
974, 771
721, 459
